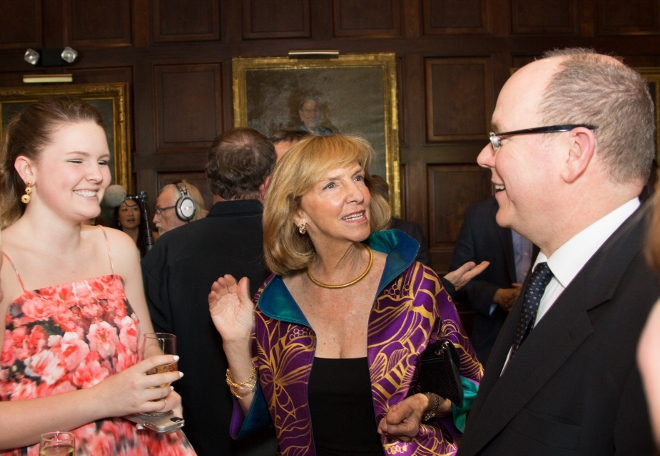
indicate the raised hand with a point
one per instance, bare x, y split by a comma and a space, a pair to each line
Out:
231, 308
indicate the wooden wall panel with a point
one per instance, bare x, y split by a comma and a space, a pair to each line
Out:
455, 17
276, 19
20, 24
458, 98
99, 23
189, 105
452, 189
102, 75
632, 17
367, 18
558, 17
186, 20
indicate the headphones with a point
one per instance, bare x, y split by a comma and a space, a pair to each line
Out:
185, 206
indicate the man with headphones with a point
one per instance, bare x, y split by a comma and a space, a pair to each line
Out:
177, 204
181, 267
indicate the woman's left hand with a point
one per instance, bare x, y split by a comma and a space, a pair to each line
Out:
402, 420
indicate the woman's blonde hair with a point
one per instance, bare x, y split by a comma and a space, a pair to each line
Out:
302, 167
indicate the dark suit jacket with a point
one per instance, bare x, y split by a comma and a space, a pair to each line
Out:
178, 272
573, 387
482, 239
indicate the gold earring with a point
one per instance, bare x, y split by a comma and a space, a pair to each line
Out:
302, 228
28, 191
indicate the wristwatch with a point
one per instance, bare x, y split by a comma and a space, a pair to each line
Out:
436, 403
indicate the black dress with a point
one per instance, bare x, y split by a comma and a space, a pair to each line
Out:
341, 408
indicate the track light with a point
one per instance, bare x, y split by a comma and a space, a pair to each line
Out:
31, 56
69, 55
51, 57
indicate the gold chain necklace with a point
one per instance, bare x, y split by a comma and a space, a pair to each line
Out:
347, 284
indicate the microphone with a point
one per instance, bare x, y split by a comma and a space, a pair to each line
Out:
144, 212
114, 196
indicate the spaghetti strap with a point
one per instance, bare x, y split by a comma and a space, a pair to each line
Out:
107, 244
18, 276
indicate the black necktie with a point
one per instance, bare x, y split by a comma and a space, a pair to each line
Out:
533, 293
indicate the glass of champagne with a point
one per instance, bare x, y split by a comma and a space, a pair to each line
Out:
57, 444
154, 344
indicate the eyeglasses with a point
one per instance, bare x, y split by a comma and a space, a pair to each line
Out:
496, 138
159, 210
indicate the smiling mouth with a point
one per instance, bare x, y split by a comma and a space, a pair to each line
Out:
85, 193
350, 218
499, 188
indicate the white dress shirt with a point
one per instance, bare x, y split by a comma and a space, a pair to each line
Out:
567, 261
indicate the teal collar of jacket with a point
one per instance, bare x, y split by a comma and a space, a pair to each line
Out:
401, 251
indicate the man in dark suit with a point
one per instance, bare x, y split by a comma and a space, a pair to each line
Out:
181, 267
571, 152
493, 292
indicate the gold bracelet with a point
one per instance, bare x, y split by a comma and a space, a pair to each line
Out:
239, 396
250, 382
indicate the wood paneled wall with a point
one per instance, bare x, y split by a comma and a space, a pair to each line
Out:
453, 57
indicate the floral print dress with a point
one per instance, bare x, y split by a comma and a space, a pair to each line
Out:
71, 336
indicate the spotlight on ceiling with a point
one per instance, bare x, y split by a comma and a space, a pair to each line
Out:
69, 55
31, 56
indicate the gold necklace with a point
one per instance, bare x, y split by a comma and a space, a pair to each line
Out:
347, 284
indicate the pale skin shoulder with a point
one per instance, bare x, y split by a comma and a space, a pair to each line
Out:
126, 261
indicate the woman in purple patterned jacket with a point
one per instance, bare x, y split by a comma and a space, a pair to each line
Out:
330, 355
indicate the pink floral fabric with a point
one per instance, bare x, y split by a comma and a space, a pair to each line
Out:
72, 336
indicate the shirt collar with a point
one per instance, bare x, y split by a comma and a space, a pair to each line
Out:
567, 261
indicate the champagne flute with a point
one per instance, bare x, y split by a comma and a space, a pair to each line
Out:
57, 444
154, 344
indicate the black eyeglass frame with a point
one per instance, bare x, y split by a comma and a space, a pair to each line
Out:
495, 138
160, 210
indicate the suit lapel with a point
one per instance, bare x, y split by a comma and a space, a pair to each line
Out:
566, 325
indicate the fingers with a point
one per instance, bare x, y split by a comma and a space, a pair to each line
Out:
244, 289
226, 285
161, 403
159, 370
153, 362
475, 271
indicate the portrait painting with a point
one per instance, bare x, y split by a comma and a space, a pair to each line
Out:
349, 94
110, 99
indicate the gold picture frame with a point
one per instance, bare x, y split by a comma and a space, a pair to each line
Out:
354, 94
652, 77
110, 99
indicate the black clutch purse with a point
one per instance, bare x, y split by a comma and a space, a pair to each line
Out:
439, 372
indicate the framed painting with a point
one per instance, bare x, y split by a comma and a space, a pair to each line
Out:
110, 99
652, 77
353, 94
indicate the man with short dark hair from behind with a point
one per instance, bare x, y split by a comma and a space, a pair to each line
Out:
182, 265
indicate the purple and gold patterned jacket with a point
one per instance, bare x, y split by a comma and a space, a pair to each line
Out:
412, 310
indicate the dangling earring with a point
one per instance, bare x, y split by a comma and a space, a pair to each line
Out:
302, 228
28, 191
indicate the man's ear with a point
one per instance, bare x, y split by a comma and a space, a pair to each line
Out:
24, 167
262, 189
582, 148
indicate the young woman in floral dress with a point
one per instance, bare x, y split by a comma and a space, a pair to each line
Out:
72, 296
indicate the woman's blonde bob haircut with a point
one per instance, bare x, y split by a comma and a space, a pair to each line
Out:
301, 168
